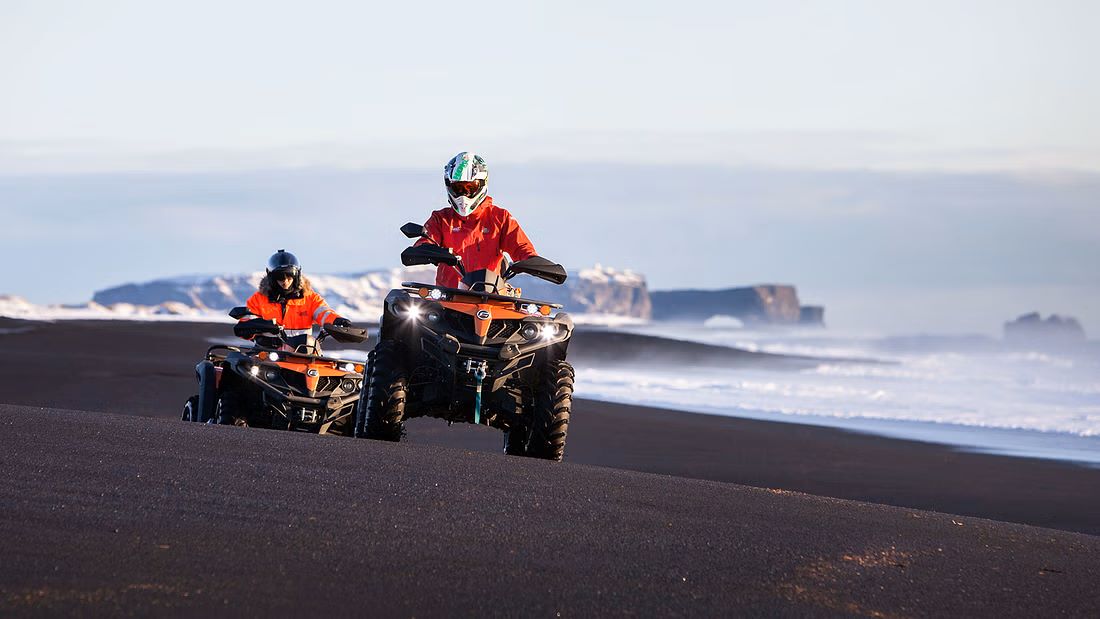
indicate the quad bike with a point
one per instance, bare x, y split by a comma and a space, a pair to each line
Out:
283, 382
478, 354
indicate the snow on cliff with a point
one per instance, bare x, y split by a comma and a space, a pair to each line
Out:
596, 292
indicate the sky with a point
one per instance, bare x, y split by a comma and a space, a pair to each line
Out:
944, 84
852, 148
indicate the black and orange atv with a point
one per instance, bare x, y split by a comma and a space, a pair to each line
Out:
478, 354
283, 382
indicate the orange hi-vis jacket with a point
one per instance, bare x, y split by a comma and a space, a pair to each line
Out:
480, 238
297, 316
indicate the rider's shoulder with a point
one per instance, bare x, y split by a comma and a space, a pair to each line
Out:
496, 212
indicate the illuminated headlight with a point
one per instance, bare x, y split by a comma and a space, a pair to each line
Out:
548, 331
529, 331
530, 308
254, 370
274, 356
435, 294
347, 367
412, 312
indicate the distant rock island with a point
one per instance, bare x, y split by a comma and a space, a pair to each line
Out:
775, 304
1032, 328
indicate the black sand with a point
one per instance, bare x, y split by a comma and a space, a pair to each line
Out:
145, 369
104, 513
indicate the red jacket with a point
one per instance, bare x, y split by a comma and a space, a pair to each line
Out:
481, 239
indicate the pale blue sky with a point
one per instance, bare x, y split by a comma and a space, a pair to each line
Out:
975, 84
861, 150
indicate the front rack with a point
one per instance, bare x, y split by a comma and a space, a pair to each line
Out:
484, 296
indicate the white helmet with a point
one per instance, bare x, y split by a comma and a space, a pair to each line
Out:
465, 176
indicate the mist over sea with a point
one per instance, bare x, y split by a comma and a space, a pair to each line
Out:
975, 392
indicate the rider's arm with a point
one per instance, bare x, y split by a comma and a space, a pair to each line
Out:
321, 312
514, 241
255, 305
434, 228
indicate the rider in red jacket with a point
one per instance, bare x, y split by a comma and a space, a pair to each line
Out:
473, 227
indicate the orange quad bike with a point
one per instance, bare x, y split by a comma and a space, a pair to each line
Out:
283, 382
478, 354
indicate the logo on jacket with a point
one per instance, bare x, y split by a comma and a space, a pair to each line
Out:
485, 231
483, 314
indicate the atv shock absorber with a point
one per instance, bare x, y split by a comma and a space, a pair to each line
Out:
479, 370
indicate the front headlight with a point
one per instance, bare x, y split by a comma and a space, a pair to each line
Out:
254, 370
434, 294
548, 331
347, 367
412, 312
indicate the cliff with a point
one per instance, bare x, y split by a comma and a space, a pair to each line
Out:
761, 304
598, 290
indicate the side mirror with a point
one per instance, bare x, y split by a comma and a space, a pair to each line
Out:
539, 267
249, 329
414, 231
239, 312
346, 335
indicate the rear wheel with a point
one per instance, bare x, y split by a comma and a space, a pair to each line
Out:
381, 413
550, 416
189, 408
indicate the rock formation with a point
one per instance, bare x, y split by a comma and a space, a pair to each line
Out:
599, 290
1033, 329
761, 304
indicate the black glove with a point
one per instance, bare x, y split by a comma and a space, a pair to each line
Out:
343, 323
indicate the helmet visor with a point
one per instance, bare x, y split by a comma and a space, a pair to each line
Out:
465, 188
282, 275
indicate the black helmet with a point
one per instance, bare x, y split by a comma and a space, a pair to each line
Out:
283, 260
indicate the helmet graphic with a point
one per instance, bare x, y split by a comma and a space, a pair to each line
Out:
465, 176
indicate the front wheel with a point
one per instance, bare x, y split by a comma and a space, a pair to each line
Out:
381, 411
189, 408
550, 418
229, 410
515, 441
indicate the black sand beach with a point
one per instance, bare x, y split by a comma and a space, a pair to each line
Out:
145, 369
121, 509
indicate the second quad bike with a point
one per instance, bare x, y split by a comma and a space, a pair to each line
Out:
282, 382
478, 354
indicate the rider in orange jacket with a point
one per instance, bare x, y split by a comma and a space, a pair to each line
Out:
473, 227
286, 297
